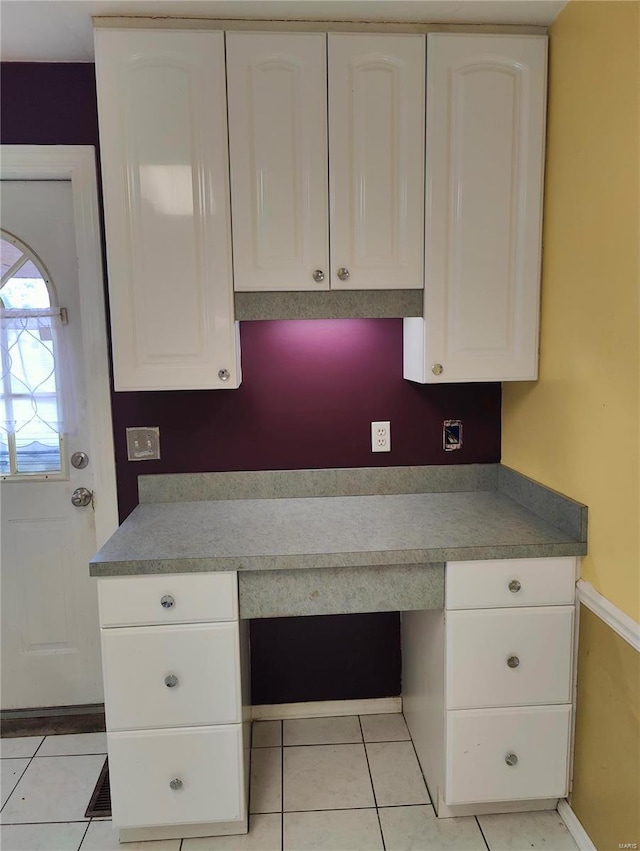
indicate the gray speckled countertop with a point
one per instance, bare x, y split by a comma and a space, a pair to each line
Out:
328, 532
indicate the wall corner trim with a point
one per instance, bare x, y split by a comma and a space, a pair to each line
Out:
575, 828
614, 617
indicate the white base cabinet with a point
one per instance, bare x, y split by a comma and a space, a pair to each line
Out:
177, 705
487, 692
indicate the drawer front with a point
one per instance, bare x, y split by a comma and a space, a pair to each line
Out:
509, 657
207, 763
479, 742
171, 676
510, 582
174, 598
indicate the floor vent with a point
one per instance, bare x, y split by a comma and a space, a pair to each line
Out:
100, 803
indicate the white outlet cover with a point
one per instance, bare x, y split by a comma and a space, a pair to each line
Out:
381, 436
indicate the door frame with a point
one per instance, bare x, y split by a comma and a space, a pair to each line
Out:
77, 163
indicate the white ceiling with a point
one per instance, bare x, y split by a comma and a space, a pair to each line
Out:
61, 30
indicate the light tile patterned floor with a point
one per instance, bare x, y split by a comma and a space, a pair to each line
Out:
337, 784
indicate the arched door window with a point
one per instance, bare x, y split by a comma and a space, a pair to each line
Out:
31, 407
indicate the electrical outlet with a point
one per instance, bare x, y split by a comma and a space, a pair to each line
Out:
381, 437
143, 443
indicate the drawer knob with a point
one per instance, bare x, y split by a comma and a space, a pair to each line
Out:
171, 681
513, 661
511, 759
176, 784
514, 586
167, 602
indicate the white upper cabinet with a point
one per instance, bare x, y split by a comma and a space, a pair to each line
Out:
163, 142
484, 174
278, 152
283, 179
376, 159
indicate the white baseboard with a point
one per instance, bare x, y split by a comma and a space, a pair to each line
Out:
326, 708
614, 617
577, 831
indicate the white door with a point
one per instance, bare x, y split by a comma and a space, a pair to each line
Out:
277, 87
376, 160
50, 636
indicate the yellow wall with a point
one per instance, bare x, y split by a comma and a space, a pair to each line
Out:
606, 793
578, 428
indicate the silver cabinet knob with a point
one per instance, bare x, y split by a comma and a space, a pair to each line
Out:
511, 759
513, 661
514, 586
167, 602
81, 497
176, 784
343, 273
437, 369
171, 681
318, 275
224, 374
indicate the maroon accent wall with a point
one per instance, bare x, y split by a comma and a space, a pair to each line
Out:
310, 390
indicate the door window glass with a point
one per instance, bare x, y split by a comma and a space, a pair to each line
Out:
31, 413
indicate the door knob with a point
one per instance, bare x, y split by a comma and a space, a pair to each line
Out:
343, 273
318, 275
81, 497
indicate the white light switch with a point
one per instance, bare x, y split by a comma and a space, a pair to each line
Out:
143, 443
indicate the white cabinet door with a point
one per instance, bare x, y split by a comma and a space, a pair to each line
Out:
509, 657
507, 754
376, 160
484, 172
171, 676
163, 143
277, 86
176, 776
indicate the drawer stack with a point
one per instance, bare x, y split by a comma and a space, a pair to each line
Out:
173, 701
509, 627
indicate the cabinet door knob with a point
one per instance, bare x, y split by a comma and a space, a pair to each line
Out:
514, 586
318, 275
343, 273
224, 374
513, 661
171, 681
176, 784
167, 602
511, 759
437, 369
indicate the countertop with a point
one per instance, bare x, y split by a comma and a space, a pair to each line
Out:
335, 532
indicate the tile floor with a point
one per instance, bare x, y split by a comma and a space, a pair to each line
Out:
329, 784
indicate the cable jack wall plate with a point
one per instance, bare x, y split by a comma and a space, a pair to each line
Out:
451, 435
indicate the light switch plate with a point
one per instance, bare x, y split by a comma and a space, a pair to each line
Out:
143, 443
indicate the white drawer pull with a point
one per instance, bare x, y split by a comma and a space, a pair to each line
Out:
176, 784
171, 681
167, 602
514, 586
511, 759
512, 662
